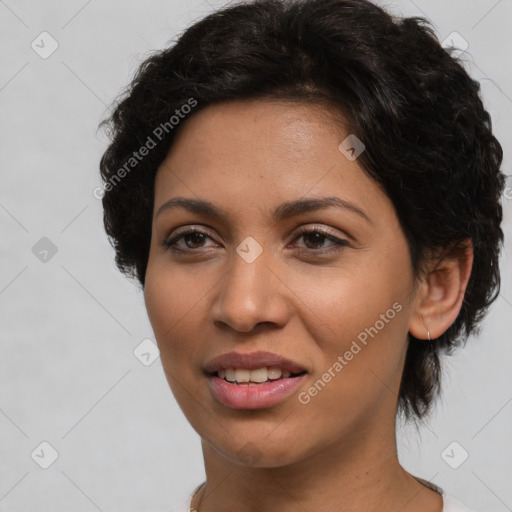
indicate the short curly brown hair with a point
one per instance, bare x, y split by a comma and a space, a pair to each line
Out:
428, 138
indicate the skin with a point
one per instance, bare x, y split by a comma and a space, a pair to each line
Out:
337, 452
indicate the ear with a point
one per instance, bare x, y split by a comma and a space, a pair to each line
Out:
439, 296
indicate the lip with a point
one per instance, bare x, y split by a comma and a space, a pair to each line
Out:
258, 396
251, 361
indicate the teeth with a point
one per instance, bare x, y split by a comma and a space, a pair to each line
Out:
260, 375
274, 373
242, 375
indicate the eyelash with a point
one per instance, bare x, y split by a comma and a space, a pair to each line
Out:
338, 242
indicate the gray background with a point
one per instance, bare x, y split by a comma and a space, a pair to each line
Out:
71, 322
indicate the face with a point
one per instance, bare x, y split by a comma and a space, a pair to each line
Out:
327, 287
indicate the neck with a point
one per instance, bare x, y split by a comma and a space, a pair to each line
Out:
350, 476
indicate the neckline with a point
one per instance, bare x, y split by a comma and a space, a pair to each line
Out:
434, 488
422, 481
428, 484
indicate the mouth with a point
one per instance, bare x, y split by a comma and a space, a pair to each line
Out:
254, 395
244, 376
243, 364
254, 380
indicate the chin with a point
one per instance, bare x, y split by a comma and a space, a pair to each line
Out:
255, 451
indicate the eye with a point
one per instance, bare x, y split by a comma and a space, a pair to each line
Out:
317, 237
190, 235
195, 239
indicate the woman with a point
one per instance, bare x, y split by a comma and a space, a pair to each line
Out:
308, 194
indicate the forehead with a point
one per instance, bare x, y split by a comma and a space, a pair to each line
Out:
283, 129
255, 154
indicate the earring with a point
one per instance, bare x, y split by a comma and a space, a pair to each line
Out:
428, 334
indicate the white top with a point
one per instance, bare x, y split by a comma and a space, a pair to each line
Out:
450, 504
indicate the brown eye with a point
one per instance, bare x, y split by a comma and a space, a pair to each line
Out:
314, 239
192, 238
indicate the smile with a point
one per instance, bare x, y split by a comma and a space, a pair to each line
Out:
253, 377
254, 395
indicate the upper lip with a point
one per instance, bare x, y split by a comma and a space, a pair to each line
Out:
251, 361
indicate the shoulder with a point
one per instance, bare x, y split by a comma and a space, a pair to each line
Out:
185, 505
451, 504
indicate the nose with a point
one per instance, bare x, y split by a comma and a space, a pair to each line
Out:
251, 294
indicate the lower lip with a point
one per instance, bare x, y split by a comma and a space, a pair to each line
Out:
260, 396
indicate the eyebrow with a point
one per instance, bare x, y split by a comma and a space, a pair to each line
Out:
283, 211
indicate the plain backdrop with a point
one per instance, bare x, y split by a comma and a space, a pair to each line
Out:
71, 324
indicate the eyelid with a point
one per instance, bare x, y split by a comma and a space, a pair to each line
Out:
299, 230
182, 230
307, 227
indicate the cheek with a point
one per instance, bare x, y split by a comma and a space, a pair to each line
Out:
171, 304
172, 298
359, 321
342, 303
359, 369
